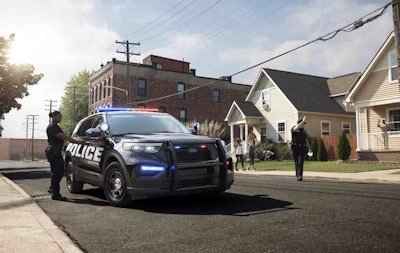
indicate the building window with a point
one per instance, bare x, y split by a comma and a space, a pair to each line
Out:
263, 133
393, 72
161, 109
346, 127
141, 87
98, 91
216, 96
104, 91
182, 115
159, 66
281, 131
325, 127
109, 87
181, 88
394, 120
266, 105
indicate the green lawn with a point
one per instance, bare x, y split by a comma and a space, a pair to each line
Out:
332, 166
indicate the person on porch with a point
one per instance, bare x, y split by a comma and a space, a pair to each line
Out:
384, 128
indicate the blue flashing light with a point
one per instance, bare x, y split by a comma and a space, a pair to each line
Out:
152, 168
173, 167
113, 109
177, 147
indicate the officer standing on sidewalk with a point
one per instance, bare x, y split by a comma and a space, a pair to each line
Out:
55, 138
299, 146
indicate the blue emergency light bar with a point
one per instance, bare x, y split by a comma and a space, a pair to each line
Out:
116, 109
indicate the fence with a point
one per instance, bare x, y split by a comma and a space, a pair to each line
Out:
375, 141
331, 145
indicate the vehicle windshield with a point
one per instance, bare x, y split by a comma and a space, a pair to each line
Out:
144, 123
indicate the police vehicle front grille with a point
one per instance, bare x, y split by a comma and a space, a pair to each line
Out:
193, 153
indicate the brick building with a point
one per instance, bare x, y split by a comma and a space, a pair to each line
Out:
158, 77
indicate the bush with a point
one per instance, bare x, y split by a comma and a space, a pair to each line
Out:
210, 128
322, 155
280, 149
344, 148
314, 149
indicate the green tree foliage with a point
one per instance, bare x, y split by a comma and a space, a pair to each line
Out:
314, 149
74, 103
344, 148
14, 78
322, 154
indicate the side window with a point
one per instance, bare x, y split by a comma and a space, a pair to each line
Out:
346, 127
141, 87
84, 126
216, 96
182, 115
393, 72
281, 131
181, 88
325, 127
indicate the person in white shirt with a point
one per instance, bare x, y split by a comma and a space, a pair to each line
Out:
239, 154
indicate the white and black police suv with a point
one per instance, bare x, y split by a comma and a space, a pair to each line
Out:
141, 154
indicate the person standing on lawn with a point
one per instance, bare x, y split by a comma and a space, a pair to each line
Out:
299, 146
239, 153
252, 149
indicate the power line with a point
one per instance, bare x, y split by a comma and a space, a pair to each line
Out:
348, 28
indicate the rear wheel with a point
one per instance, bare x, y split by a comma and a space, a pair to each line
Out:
73, 185
115, 185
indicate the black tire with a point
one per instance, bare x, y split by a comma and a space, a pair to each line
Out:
73, 185
115, 186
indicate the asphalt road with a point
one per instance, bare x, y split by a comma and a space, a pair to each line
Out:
259, 214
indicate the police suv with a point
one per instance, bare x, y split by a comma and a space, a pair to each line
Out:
140, 154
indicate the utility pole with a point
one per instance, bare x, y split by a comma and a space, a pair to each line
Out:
128, 54
32, 117
50, 106
396, 25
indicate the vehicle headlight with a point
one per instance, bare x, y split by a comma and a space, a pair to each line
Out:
151, 148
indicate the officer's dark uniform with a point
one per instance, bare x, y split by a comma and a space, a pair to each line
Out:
54, 156
299, 148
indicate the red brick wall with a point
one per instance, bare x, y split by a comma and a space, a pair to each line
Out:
169, 64
15, 149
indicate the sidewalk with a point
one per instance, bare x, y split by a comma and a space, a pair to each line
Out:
24, 227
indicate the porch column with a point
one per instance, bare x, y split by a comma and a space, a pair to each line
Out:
241, 132
358, 129
246, 134
232, 139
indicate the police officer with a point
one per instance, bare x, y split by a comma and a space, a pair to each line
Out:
55, 138
299, 146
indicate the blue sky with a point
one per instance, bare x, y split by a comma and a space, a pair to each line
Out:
218, 37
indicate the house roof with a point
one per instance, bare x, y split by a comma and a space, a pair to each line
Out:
307, 93
341, 84
248, 109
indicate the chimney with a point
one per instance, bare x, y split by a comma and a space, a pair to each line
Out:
193, 72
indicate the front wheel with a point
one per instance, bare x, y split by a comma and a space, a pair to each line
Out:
115, 186
73, 185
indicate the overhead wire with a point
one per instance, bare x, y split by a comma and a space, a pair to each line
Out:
321, 38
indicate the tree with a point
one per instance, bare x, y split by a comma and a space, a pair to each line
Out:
322, 155
314, 149
344, 148
74, 103
14, 78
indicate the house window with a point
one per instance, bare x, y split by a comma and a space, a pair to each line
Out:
325, 127
393, 72
216, 95
263, 133
281, 131
161, 109
182, 115
265, 100
141, 87
394, 120
346, 127
181, 88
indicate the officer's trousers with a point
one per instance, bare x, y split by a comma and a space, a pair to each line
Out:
57, 172
299, 153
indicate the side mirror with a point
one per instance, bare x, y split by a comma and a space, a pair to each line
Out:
97, 131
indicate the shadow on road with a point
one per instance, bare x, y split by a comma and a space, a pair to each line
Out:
224, 204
